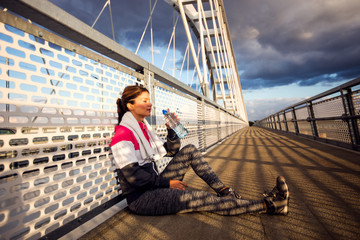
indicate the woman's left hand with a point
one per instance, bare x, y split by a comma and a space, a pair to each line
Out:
177, 184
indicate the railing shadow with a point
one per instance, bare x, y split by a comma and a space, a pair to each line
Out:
324, 182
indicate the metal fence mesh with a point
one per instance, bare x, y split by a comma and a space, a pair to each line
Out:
290, 125
329, 108
334, 129
356, 101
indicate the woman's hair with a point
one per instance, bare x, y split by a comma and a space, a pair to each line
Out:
128, 96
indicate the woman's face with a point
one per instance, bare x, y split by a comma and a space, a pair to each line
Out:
141, 107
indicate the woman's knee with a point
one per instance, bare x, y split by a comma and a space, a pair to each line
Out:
191, 147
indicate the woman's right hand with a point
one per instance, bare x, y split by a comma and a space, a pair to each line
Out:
177, 184
166, 124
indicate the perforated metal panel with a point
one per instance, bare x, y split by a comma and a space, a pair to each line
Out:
278, 125
57, 119
334, 129
304, 128
356, 102
185, 108
211, 123
301, 113
222, 125
290, 125
329, 108
282, 124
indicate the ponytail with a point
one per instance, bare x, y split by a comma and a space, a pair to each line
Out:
120, 110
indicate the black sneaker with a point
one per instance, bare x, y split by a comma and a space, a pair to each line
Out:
229, 192
277, 200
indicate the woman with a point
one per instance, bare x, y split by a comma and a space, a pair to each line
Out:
135, 147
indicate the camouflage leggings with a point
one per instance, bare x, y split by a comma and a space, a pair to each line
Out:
164, 201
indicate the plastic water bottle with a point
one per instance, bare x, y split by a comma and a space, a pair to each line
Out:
174, 124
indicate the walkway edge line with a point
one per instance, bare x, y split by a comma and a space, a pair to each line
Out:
95, 222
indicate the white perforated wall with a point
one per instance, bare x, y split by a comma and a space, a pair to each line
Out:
57, 119
185, 108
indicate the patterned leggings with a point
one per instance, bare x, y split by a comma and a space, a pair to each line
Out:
162, 201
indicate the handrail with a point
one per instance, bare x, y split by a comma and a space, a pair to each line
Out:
349, 84
334, 120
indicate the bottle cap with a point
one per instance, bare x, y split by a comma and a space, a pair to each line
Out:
164, 112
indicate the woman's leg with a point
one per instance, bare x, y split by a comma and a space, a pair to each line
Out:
163, 201
191, 156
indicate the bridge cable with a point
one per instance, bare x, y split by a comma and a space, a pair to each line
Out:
197, 57
174, 23
147, 24
185, 56
151, 36
111, 20
171, 39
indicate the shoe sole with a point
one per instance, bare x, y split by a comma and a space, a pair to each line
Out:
285, 194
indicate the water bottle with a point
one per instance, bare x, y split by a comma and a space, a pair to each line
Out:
174, 124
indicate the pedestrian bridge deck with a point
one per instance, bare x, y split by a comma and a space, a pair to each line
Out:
324, 184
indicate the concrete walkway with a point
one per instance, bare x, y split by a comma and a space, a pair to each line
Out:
324, 184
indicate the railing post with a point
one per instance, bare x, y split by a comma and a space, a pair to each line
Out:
311, 119
346, 95
295, 121
285, 123
218, 123
279, 122
150, 85
201, 127
274, 122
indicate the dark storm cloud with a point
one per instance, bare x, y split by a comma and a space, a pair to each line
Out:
275, 42
305, 42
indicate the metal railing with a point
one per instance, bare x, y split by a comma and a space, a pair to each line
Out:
332, 116
57, 117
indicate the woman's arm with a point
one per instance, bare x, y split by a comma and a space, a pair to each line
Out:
172, 144
143, 177
126, 154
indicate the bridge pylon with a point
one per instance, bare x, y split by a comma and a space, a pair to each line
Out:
216, 65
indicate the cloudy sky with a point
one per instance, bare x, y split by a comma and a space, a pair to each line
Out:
286, 50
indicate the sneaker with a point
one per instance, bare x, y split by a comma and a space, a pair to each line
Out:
277, 200
229, 192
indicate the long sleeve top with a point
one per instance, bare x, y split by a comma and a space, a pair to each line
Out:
137, 175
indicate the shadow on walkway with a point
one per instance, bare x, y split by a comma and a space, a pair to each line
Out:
324, 184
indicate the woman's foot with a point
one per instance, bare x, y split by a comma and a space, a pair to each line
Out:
277, 200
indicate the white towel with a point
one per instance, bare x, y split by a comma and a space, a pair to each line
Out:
154, 152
